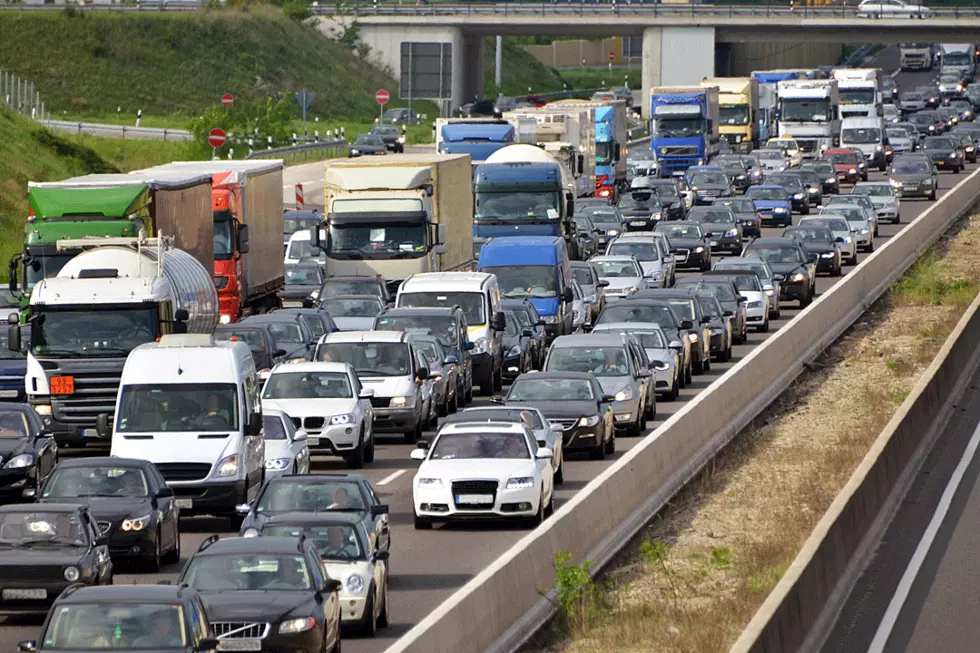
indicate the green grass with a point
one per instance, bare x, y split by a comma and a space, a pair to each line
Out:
174, 65
521, 71
598, 78
130, 155
927, 284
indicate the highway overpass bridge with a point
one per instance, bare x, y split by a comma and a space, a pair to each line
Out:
681, 43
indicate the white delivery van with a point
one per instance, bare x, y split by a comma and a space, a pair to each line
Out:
868, 136
478, 295
191, 406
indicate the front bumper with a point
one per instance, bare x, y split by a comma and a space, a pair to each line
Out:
848, 177
890, 214
139, 544
914, 190
582, 438
688, 258
13, 483
12, 388
827, 264
800, 205
774, 219
755, 311
352, 608
442, 504
792, 290
335, 439
311, 640
639, 224
947, 163
731, 244
626, 413
209, 497
512, 366
398, 420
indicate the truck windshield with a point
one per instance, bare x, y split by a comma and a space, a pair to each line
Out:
48, 265
376, 241
516, 206
604, 153
678, 127
224, 238
857, 96
736, 114
178, 407
957, 59
815, 110
519, 281
85, 331
470, 302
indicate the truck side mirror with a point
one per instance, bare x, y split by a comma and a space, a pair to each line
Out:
581, 163
616, 152
315, 237
12, 276
440, 234
13, 338
498, 323
102, 426
243, 238
571, 205
568, 296
255, 424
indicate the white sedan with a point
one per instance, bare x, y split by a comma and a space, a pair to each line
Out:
491, 470
891, 9
327, 404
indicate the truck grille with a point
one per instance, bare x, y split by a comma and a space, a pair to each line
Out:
808, 145
240, 629
380, 402
96, 386
678, 150
183, 471
313, 422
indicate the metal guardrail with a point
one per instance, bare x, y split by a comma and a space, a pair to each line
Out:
119, 131
325, 149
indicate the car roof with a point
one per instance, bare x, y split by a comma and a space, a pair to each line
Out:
355, 277
320, 476
268, 545
102, 461
371, 297
768, 187
364, 336
626, 326
666, 293
127, 593
774, 241
499, 427
275, 316
613, 258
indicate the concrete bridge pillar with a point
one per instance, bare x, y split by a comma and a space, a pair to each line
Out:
674, 56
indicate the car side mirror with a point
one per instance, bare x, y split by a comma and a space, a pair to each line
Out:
243, 509
165, 493
676, 344
279, 353
608, 399
381, 556
498, 323
418, 454
527, 333
643, 373
330, 585
496, 399
728, 314
366, 393
602, 283
839, 239
811, 257
687, 324
451, 360
30, 645
469, 345
706, 319
544, 453
568, 296
379, 509
424, 373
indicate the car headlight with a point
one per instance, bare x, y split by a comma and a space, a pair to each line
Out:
224, 319
432, 483
20, 461
355, 151
346, 418
754, 305
693, 337
612, 232
300, 625
315, 294
136, 523
878, 148
798, 277
864, 231
740, 178
43, 409
72, 574
731, 233
756, 174
770, 291
780, 209
827, 255
520, 483
895, 183
401, 402
401, 139
656, 274
656, 216
625, 394
251, 532
354, 584
847, 240
227, 467
831, 180
550, 319
699, 249
591, 420
278, 464
514, 351
660, 365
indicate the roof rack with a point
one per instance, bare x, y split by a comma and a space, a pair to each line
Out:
208, 541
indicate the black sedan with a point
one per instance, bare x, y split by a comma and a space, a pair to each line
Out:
799, 199
640, 210
518, 345
271, 590
366, 145
735, 169
720, 226
688, 244
303, 281
827, 173
575, 402
669, 191
28, 452
394, 140
44, 550
530, 319
265, 352
130, 501
819, 241
945, 154
793, 266
746, 215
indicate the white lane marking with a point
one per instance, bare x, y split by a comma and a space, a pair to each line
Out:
895, 72
918, 558
388, 479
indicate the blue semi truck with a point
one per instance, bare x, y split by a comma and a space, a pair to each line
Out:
480, 137
684, 127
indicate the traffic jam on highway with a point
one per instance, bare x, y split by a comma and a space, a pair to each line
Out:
212, 443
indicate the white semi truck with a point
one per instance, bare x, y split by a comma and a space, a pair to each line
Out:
808, 113
859, 94
116, 295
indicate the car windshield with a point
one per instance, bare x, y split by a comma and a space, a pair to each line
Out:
643, 251
42, 527
861, 135
830, 222
338, 542
353, 242
734, 115
875, 190
711, 217
254, 338
776, 254
243, 572
708, 178
312, 496
430, 350
922, 119
766, 194
666, 191
637, 201
600, 361
723, 290
307, 385
617, 269
302, 249
857, 96
120, 625
604, 216
367, 139
679, 230
368, 358
809, 234
937, 143
630, 312
805, 110
842, 158
303, 275
293, 224
272, 427
96, 481
519, 281
470, 302
528, 388
177, 407
769, 155
13, 424
850, 214
822, 169
911, 168
650, 339
476, 444
443, 327
911, 97
897, 134
583, 276
352, 307
683, 307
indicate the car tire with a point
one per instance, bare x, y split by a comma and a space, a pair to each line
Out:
805, 301
636, 430
498, 378
560, 472
369, 450
153, 562
422, 523
651, 412
674, 391
370, 626
610, 448
764, 327
414, 435
697, 367
538, 518
689, 375
932, 195
598, 452
468, 397
383, 620
956, 170
870, 248
355, 459
172, 557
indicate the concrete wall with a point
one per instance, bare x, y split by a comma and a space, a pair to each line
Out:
746, 57
578, 53
676, 56
799, 612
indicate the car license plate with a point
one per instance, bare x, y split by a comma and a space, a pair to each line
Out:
239, 644
713, 243
639, 223
8, 394
16, 594
474, 498
312, 442
185, 503
62, 385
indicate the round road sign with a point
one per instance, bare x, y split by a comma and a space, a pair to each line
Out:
227, 99
612, 56
382, 97
216, 137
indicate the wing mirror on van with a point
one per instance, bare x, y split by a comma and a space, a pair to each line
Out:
469, 345
568, 296
366, 393
13, 337
498, 323
102, 426
254, 424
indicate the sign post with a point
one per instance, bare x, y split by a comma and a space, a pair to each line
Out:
612, 57
227, 100
381, 97
305, 100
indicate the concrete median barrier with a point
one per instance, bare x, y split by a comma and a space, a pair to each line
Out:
502, 606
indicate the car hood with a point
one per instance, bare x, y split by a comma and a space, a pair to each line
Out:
311, 407
500, 469
389, 386
845, 167
717, 227
354, 323
10, 447
785, 269
272, 606
913, 178
639, 213
622, 283
613, 384
110, 509
685, 243
560, 408
42, 556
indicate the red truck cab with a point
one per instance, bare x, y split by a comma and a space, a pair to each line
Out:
230, 244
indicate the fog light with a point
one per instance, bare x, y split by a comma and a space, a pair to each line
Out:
348, 430
524, 506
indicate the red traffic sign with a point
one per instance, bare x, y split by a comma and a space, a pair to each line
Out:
612, 56
382, 96
227, 100
216, 137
